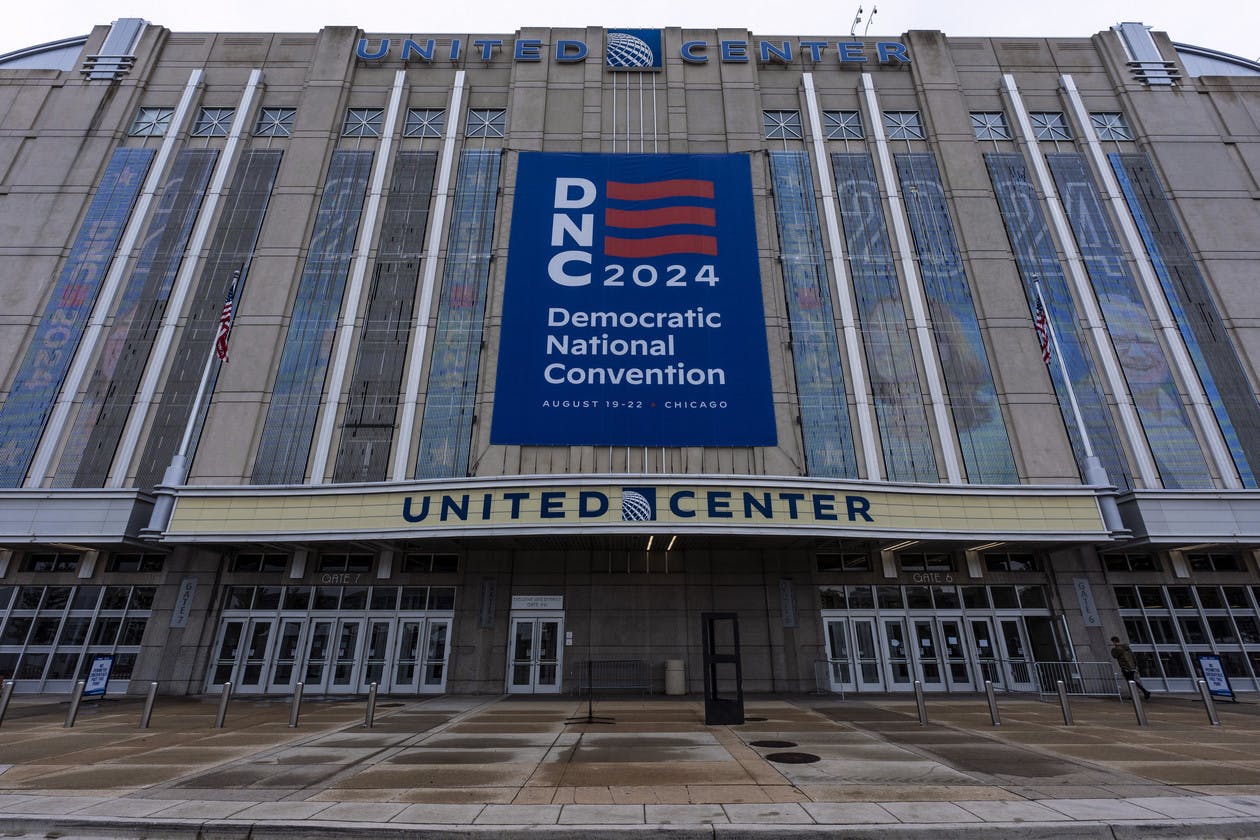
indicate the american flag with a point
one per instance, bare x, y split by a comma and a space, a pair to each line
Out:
225, 324
1042, 325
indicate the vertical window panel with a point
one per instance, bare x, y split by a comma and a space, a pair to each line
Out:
984, 444
1215, 359
111, 392
446, 428
367, 429
64, 321
891, 369
231, 247
1146, 370
285, 444
1038, 261
820, 387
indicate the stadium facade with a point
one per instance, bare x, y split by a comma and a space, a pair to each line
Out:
927, 358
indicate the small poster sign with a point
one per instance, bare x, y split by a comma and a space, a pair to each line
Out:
98, 675
1215, 677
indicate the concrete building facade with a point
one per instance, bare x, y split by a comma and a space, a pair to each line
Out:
452, 363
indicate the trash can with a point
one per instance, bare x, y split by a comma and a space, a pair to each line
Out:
675, 678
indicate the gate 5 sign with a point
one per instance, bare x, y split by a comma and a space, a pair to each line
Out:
632, 313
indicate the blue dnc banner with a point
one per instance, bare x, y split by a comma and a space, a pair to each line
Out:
632, 314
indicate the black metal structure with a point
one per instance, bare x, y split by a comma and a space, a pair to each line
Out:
721, 710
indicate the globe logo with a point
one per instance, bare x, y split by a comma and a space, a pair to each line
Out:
635, 506
626, 50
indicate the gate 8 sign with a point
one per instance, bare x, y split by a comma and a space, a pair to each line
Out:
632, 314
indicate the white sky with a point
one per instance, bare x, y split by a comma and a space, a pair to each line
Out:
1229, 25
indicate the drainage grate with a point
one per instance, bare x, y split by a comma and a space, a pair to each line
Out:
777, 745
752, 719
792, 758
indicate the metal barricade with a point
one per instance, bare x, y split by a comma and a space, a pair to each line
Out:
610, 675
824, 672
1083, 679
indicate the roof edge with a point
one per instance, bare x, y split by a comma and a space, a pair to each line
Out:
51, 46
1207, 52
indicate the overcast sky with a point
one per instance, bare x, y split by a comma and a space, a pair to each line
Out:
1229, 25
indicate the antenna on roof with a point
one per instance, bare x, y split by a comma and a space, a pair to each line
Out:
871, 17
857, 20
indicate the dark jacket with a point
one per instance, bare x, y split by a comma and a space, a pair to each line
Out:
1124, 656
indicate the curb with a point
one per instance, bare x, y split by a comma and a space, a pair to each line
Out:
101, 827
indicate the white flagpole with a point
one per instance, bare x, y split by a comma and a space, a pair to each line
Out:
1067, 380
182, 452
177, 470
1094, 473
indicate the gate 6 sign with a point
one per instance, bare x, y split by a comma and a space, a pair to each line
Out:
632, 314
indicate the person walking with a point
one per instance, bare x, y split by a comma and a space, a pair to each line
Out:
1124, 657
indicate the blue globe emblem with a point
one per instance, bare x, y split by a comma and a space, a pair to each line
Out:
635, 507
625, 50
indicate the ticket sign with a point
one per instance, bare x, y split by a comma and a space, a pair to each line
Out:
1215, 677
98, 675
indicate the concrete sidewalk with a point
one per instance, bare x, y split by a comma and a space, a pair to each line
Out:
455, 766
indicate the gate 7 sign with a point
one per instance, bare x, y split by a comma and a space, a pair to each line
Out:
632, 313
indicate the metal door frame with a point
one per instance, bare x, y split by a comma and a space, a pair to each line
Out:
534, 686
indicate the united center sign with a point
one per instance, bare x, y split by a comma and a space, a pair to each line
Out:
616, 505
635, 49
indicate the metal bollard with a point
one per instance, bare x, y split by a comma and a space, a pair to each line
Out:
1208, 703
918, 699
993, 709
5, 693
1064, 704
147, 712
223, 703
297, 706
369, 718
73, 711
1137, 704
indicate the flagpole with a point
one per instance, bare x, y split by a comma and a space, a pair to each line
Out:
1067, 380
177, 470
1094, 473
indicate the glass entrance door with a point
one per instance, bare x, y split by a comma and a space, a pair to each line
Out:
318, 649
329, 654
284, 669
1019, 666
346, 659
839, 664
866, 645
376, 655
954, 647
407, 663
253, 670
437, 651
927, 651
900, 674
985, 648
226, 653
534, 655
